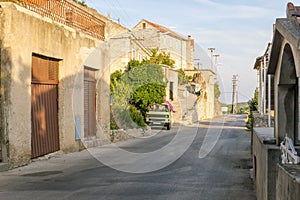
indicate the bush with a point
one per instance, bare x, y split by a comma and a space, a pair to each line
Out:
253, 106
113, 125
128, 118
136, 116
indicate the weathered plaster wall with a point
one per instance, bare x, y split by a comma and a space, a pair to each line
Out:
22, 33
4, 99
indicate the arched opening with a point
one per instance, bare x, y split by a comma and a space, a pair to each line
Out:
288, 97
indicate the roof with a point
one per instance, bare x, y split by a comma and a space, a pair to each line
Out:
163, 29
260, 59
286, 29
258, 62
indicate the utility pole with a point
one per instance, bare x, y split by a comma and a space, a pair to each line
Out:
198, 63
211, 57
216, 59
234, 107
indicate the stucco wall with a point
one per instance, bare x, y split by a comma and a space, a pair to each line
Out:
22, 33
265, 160
288, 182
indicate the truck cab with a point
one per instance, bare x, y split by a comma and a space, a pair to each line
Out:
159, 115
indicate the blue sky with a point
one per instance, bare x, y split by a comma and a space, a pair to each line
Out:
239, 30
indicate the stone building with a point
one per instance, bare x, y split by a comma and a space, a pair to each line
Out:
154, 36
272, 179
125, 47
205, 79
54, 78
265, 90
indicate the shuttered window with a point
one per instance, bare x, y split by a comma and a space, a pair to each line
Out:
89, 102
44, 70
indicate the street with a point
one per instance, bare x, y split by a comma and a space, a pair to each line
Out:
172, 164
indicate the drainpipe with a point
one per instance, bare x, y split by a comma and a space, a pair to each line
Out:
269, 100
264, 85
261, 88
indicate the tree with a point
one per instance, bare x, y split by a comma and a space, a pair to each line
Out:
135, 63
253, 103
253, 106
181, 77
82, 2
114, 78
161, 58
217, 91
143, 77
148, 95
140, 86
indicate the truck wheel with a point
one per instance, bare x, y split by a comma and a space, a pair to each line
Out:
168, 126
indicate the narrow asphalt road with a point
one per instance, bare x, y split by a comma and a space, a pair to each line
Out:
210, 161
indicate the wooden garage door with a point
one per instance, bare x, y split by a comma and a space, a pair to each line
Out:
89, 103
44, 106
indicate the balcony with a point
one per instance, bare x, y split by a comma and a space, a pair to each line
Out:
67, 13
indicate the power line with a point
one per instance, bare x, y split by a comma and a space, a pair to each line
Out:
124, 11
114, 9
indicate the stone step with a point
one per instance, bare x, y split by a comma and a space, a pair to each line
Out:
4, 167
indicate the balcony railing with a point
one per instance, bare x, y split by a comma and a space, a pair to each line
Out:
67, 13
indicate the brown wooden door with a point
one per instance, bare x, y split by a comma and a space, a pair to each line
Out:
44, 106
89, 103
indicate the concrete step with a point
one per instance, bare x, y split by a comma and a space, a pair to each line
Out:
94, 142
4, 167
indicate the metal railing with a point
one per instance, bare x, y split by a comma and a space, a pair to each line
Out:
67, 13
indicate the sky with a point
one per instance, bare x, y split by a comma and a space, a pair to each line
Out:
239, 30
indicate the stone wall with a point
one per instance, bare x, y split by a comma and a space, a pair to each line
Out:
206, 100
261, 120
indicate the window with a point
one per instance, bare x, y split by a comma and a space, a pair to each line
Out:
133, 53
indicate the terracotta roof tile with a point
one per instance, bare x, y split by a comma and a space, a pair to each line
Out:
165, 30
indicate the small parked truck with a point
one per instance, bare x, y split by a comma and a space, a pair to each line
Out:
159, 115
